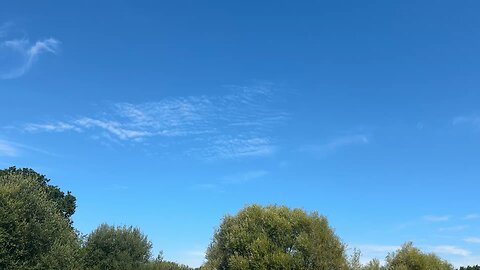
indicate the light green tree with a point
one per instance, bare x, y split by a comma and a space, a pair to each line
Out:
354, 260
409, 257
275, 237
374, 264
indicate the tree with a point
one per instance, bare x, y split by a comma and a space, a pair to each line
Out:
409, 257
119, 248
474, 267
374, 264
275, 237
34, 234
164, 265
65, 203
354, 260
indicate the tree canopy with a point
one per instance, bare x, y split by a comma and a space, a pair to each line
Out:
34, 233
119, 248
164, 265
65, 203
473, 267
275, 237
409, 257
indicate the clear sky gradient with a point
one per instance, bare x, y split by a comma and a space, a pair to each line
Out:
169, 114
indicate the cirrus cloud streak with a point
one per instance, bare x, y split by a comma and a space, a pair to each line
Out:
238, 124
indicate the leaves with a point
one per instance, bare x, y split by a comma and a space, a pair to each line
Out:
275, 237
120, 248
34, 234
66, 204
410, 257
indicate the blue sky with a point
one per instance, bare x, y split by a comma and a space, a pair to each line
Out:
169, 114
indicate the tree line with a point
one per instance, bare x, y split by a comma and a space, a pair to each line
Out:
37, 232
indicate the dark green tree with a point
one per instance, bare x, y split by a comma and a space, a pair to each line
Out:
34, 234
65, 203
275, 237
409, 257
474, 267
119, 248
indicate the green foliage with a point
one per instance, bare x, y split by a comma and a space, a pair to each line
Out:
66, 203
34, 234
354, 260
275, 237
355, 264
119, 248
475, 267
409, 257
164, 265
373, 265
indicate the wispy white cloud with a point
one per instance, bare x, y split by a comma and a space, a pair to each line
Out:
232, 147
18, 53
336, 144
8, 149
435, 218
112, 127
235, 125
475, 240
450, 250
472, 216
347, 140
51, 127
14, 149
